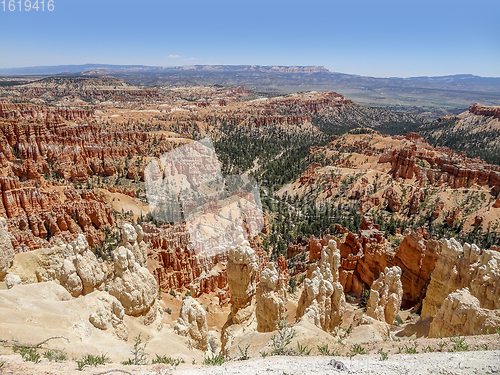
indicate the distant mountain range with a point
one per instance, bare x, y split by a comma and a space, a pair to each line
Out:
431, 96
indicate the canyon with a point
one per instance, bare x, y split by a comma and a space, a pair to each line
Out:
364, 236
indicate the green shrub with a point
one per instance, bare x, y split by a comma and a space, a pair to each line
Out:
411, 349
324, 350
140, 357
397, 321
357, 349
303, 350
365, 296
55, 355
283, 339
458, 344
244, 353
91, 360
214, 360
167, 360
28, 354
383, 355
350, 298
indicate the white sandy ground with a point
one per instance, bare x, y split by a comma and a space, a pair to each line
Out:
478, 362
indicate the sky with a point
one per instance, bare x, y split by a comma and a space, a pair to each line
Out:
403, 38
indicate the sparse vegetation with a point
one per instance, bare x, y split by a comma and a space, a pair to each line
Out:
28, 354
55, 355
458, 344
167, 360
411, 349
357, 349
365, 296
214, 360
139, 355
350, 298
324, 350
398, 321
303, 350
91, 360
283, 339
383, 355
244, 353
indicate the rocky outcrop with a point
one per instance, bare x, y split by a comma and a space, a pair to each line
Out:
6, 249
393, 200
81, 273
192, 323
417, 258
242, 272
132, 239
135, 288
482, 110
459, 267
323, 302
176, 266
461, 314
108, 316
73, 265
271, 298
386, 295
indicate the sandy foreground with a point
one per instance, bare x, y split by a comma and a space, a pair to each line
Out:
477, 362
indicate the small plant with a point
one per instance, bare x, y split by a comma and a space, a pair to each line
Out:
400, 349
428, 350
91, 360
168, 310
350, 298
140, 357
383, 355
244, 353
458, 344
292, 285
357, 349
438, 336
214, 360
441, 345
323, 350
397, 321
55, 355
284, 337
2, 364
28, 354
167, 360
264, 354
303, 350
411, 349
484, 346
172, 293
365, 296
188, 294
497, 330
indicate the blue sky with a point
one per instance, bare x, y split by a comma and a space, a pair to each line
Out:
377, 38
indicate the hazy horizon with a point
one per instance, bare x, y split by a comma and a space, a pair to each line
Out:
383, 39
189, 65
